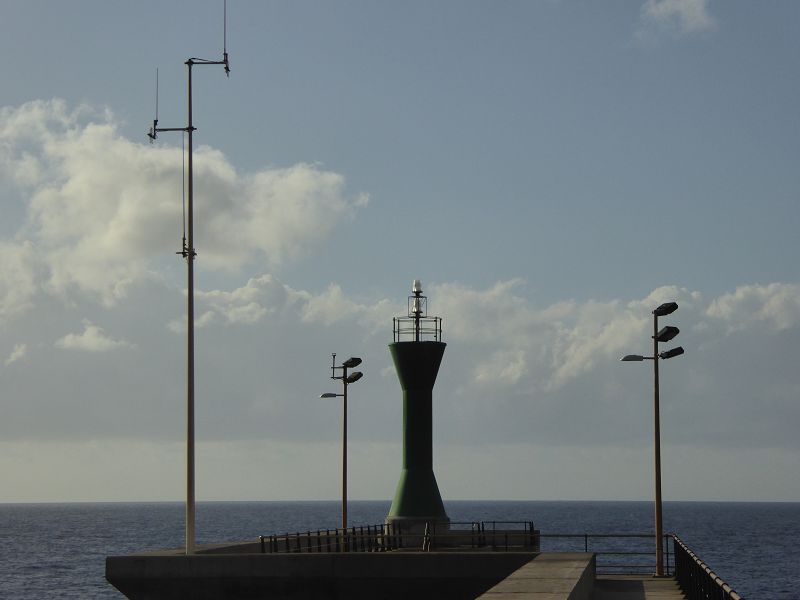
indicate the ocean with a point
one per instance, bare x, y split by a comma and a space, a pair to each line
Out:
59, 550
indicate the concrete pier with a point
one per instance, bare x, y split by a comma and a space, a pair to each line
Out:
549, 576
225, 573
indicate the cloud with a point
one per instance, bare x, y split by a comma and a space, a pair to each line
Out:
101, 209
513, 371
259, 297
553, 344
332, 306
179, 325
266, 297
19, 351
21, 276
679, 16
93, 339
777, 305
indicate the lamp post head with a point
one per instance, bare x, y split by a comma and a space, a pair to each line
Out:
632, 358
328, 395
667, 333
351, 362
671, 353
666, 309
354, 376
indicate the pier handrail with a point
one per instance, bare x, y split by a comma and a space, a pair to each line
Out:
606, 552
384, 538
515, 536
696, 579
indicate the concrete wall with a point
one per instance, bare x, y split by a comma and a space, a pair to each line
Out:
390, 575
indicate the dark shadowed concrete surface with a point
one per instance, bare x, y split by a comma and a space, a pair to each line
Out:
636, 587
387, 575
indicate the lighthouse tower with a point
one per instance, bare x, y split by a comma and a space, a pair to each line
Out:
417, 353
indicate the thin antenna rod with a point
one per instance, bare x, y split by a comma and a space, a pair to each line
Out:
183, 189
225, 38
156, 94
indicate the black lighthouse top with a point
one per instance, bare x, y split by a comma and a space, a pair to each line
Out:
417, 325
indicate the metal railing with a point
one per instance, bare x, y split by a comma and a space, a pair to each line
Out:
511, 535
696, 579
367, 538
617, 553
515, 536
407, 327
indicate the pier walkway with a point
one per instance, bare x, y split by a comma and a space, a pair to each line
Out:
636, 587
571, 576
548, 576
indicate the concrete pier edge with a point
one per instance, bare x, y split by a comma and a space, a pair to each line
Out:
391, 575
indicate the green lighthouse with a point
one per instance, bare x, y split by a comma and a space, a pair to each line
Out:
417, 352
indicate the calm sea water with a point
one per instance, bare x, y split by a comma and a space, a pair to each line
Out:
59, 550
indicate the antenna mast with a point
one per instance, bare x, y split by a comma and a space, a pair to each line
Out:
188, 252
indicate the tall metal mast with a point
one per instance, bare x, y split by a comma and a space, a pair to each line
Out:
188, 252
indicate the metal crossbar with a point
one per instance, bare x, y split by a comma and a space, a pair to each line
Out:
612, 558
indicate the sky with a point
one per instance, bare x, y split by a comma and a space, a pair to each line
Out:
552, 171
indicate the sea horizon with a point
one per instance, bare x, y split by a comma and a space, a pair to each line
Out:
388, 500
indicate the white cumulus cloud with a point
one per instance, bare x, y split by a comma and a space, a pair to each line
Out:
681, 16
101, 209
21, 276
776, 305
259, 297
93, 339
19, 351
267, 297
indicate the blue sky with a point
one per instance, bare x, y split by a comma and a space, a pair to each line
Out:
550, 170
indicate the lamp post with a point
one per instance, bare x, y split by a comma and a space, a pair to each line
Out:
664, 335
346, 379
